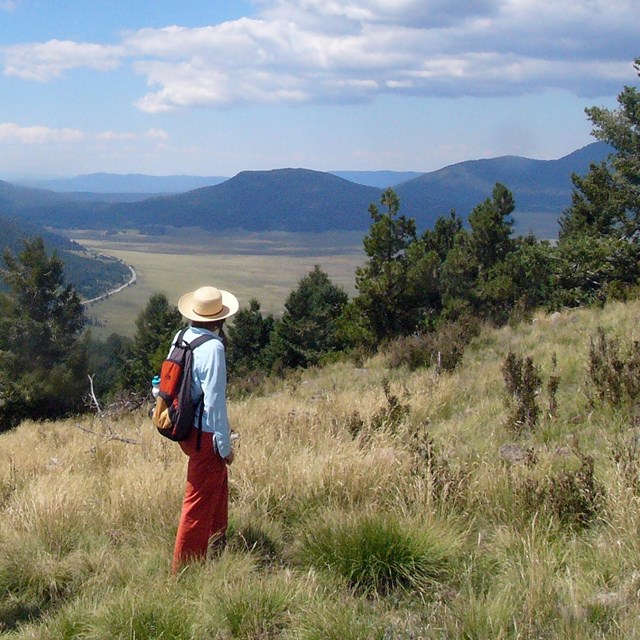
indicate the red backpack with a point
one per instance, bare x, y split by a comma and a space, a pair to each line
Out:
174, 412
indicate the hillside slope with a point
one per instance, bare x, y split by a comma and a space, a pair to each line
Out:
541, 188
398, 505
278, 200
90, 274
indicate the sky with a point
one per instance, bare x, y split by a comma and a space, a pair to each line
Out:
215, 87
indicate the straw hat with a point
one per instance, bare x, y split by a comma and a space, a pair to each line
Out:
208, 304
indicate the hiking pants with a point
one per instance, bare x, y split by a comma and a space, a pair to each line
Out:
205, 506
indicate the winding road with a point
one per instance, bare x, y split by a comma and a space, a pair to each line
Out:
129, 282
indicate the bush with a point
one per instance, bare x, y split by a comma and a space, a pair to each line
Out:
443, 348
448, 483
523, 383
392, 415
613, 372
574, 496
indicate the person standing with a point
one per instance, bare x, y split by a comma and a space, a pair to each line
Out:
204, 516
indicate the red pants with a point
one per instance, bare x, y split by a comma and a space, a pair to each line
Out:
206, 501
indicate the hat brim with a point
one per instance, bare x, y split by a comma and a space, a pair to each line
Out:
230, 306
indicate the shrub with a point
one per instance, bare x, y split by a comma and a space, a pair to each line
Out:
574, 496
613, 372
626, 456
443, 348
393, 413
552, 387
522, 380
447, 483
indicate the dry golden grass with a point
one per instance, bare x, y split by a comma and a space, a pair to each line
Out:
87, 526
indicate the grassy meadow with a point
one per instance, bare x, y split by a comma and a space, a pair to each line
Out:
263, 266
366, 503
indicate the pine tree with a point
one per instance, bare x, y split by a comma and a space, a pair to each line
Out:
43, 369
308, 328
249, 339
598, 254
156, 326
384, 289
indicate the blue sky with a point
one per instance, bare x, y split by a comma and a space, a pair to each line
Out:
216, 87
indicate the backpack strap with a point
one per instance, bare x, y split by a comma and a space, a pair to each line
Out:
194, 344
200, 405
180, 338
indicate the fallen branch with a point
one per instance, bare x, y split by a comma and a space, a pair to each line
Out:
109, 436
110, 433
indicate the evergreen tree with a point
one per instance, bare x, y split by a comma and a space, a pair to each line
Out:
308, 328
597, 207
442, 238
156, 325
620, 128
491, 228
384, 290
249, 339
598, 253
43, 369
475, 277
105, 361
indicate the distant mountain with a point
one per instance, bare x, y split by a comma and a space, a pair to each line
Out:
305, 200
133, 183
541, 188
282, 199
15, 197
91, 275
380, 179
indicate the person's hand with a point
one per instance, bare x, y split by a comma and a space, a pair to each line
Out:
229, 458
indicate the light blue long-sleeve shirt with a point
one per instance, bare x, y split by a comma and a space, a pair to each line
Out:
210, 378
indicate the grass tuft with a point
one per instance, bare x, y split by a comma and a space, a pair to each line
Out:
379, 553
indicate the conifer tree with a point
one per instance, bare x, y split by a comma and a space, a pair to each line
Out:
598, 254
384, 289
156, 326
308, 328
43, 370
249, 339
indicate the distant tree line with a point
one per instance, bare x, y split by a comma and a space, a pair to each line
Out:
419, 297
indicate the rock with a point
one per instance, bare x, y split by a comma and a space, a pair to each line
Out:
515, 453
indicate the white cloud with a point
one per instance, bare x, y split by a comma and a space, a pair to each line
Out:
156, 134
48, 60
8, 5
108, 136
12, 133
306, 51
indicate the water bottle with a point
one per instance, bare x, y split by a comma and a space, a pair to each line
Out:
155, 386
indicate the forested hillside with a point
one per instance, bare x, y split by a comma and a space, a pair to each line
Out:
91, 275
541, 188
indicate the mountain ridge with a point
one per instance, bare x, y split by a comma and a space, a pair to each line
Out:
124, 183
296, 199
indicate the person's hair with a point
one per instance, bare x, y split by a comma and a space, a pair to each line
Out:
212, 326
